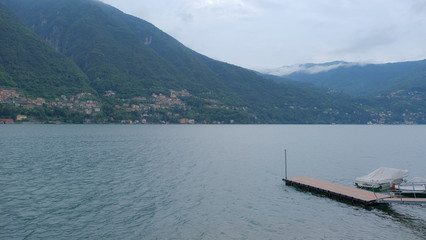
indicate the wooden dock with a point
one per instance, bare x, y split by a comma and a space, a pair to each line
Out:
349, 194
402, 200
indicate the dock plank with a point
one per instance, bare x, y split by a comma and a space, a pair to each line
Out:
337, 189
404, 200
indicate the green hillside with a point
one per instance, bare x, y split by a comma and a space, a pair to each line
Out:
31, 65
134, 60
117, 51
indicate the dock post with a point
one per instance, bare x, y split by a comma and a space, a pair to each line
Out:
285, 162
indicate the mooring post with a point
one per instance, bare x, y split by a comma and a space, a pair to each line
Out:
285, 162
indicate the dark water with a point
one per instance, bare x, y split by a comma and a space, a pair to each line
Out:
199, 182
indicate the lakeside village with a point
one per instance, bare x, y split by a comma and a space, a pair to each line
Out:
158, 108
410, 115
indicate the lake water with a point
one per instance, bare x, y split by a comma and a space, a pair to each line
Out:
199, 182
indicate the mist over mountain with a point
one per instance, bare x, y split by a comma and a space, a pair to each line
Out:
309, 68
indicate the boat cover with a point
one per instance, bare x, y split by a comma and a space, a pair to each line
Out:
417, 180
382, 175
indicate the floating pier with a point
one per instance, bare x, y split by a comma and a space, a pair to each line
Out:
347, 194
402, 200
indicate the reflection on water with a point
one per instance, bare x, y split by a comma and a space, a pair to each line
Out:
411, 219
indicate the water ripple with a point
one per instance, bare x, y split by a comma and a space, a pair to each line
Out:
195, 182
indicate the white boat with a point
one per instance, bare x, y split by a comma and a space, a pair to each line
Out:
415, 187
381, 179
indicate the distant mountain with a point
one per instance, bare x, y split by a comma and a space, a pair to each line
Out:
392, 92
360, 79
28, 63
113, 52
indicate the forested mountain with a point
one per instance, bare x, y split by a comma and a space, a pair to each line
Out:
119, 58
86, 61
29, 64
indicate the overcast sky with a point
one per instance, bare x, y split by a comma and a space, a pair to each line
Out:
260, 34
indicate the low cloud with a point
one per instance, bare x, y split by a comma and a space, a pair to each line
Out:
308, 68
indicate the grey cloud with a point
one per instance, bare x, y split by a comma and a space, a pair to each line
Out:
186, 17
268, 33
364, 42
419, 7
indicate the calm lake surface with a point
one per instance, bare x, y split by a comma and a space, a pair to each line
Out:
200, 182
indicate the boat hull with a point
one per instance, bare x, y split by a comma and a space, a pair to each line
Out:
379, 187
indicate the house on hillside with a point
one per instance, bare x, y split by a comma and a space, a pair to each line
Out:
6, 121
21, 117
